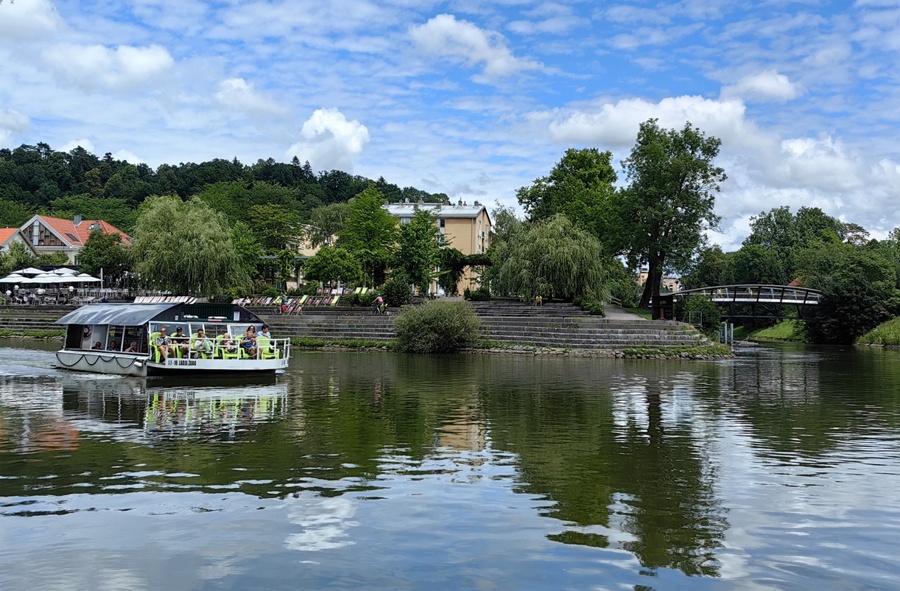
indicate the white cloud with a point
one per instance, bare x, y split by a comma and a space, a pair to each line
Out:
768, 85
330, 142
127, 157
238, 94
28, 20
616, 124
95, 67
444, 36
12, 123
83, 143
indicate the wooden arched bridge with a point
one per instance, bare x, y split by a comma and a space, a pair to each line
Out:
758, 300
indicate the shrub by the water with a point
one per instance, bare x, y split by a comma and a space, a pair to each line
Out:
397, 291
699, 310
482, 294
437, 327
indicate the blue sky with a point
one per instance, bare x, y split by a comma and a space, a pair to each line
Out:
473, 98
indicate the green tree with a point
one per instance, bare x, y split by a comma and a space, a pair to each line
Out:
451, 264
581, 186
107, 253
784, 235
859, 288
551, 258
13, 214
274, 225
248, 249
186, 248
370, 234
114, 211
670, 200
712, 267
326, 222
332, 264
17, 256
756, 264
418, 250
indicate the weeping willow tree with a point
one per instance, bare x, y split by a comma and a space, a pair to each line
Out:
186, 248
552, 258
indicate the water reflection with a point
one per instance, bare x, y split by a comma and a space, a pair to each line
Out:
572, 472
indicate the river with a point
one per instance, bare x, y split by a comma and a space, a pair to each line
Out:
777, 470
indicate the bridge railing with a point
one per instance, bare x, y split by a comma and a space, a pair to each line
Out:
753, 293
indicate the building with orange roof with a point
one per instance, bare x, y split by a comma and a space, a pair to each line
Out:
48, 235
9, 236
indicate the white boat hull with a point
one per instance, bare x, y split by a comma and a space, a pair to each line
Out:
103, 362
124, 364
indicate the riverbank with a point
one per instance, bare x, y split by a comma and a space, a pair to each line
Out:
507, 328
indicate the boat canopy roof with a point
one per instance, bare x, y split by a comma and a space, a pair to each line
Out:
116, 314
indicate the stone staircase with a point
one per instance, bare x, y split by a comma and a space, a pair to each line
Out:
555, 325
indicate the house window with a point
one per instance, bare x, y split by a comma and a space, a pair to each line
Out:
404, 221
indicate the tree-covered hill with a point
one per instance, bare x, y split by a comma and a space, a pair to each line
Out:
38, 179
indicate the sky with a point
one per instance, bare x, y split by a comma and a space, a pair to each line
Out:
470, 97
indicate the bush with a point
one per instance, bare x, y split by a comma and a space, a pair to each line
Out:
355, 299
437, 327
396, 291
699, 310
592, 306
270, 292
482, 294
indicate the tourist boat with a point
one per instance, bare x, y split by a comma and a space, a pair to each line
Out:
120, 339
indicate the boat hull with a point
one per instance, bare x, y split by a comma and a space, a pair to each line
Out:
182, 366
140, 365
103, 362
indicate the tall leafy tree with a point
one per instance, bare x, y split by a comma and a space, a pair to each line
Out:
859, 288
247, 247
186, 247
326, 222
332, 264
370, 234
581, 186
670, 200
712, 267
552, 258
17, 256
419, 248
107, 253
451, 264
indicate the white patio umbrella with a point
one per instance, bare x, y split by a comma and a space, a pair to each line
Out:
37, 280
28, 271
65, 271
47, 278
14, 278
82, 278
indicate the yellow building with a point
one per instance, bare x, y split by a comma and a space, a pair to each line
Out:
465, 227
669, 283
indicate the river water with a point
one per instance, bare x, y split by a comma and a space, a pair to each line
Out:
778, 470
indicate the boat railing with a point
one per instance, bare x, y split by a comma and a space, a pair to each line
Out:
277, 349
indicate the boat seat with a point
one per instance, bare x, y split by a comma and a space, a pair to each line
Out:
222, 352
266, 348
154, 350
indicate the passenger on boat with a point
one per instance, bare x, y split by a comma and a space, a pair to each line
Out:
98, 346
113, 346
132, 348
180, 340
228, 342
264, 331
164, 343
248, 341
202, 344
